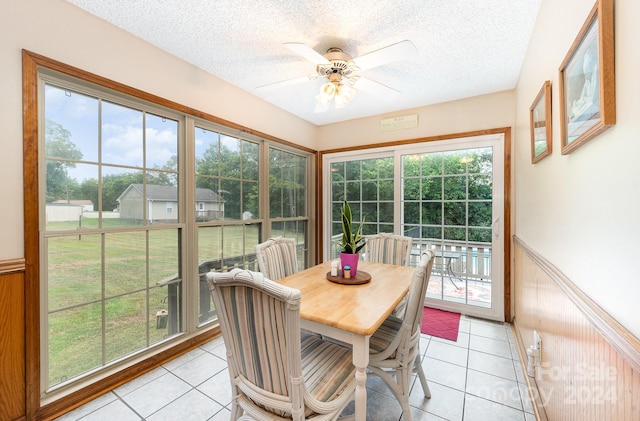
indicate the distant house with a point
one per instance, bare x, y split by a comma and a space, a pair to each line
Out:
67, 210
161, 203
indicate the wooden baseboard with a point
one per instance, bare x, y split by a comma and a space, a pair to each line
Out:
590, 364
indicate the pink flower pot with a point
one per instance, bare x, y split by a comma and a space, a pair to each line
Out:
351, 260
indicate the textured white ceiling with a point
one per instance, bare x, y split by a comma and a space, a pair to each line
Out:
465, 47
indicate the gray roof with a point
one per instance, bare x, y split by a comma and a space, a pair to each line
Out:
170, 193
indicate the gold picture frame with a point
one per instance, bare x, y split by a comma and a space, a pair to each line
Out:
587, 80
540, 121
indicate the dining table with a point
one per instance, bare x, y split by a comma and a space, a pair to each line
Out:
350, 313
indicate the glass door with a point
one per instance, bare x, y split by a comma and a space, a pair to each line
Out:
448, 196
452, 204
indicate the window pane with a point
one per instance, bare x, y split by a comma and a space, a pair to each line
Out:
125, 262
453, 162
71, 196
432, 188
432, 213
122, 189
122, 135
250, 157
432, 164
231, 199
206, 149
74, 270
455, 188
71, 127
287, 184
250, 192
386, 212
457, 234
353, 191
385, 168
229, 156
337, 171
209, 206
480, 187
411, 213
386, 190
411, 189
455, 213
125, 325
297, 230
480, 214
370, 190
353, 170
411, 165
369, 212
369, 169
75, 342
161, 139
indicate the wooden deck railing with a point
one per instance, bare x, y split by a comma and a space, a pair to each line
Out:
468, 260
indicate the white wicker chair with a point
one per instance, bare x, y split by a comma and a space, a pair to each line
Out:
277, 257
392, 249
275, 373
395, 347
388, 248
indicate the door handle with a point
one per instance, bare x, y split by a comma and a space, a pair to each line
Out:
495, 227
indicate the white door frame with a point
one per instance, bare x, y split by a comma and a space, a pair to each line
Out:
497, 142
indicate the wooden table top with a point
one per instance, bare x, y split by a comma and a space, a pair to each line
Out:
359, 309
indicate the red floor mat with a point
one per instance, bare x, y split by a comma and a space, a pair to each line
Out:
440, 323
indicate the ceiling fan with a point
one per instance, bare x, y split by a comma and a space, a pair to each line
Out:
342, 72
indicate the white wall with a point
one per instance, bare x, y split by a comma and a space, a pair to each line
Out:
580, 211
63, 32
477, 113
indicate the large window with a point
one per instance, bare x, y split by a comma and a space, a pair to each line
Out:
138, 202
111, 178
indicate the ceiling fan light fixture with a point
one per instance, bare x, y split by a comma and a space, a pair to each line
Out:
328, 90
344, 95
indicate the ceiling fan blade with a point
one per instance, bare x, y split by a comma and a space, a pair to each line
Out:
286, 82
403, 50
306, 52
376, 88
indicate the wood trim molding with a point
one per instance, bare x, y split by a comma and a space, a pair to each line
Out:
11, 266
623, 341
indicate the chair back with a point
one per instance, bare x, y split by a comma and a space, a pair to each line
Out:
388, 248
277, 257
419, 282
260, 323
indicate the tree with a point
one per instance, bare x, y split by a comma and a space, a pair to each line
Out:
60, 152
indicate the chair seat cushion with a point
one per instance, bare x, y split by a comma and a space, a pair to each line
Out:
327, 367
385, 334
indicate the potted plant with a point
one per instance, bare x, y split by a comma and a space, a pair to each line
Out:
352, 241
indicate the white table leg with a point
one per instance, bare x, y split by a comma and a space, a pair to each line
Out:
360, 361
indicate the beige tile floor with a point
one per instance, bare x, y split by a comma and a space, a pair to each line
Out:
477, 378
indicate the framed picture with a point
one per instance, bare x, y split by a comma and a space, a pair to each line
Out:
540, 119
587, 80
